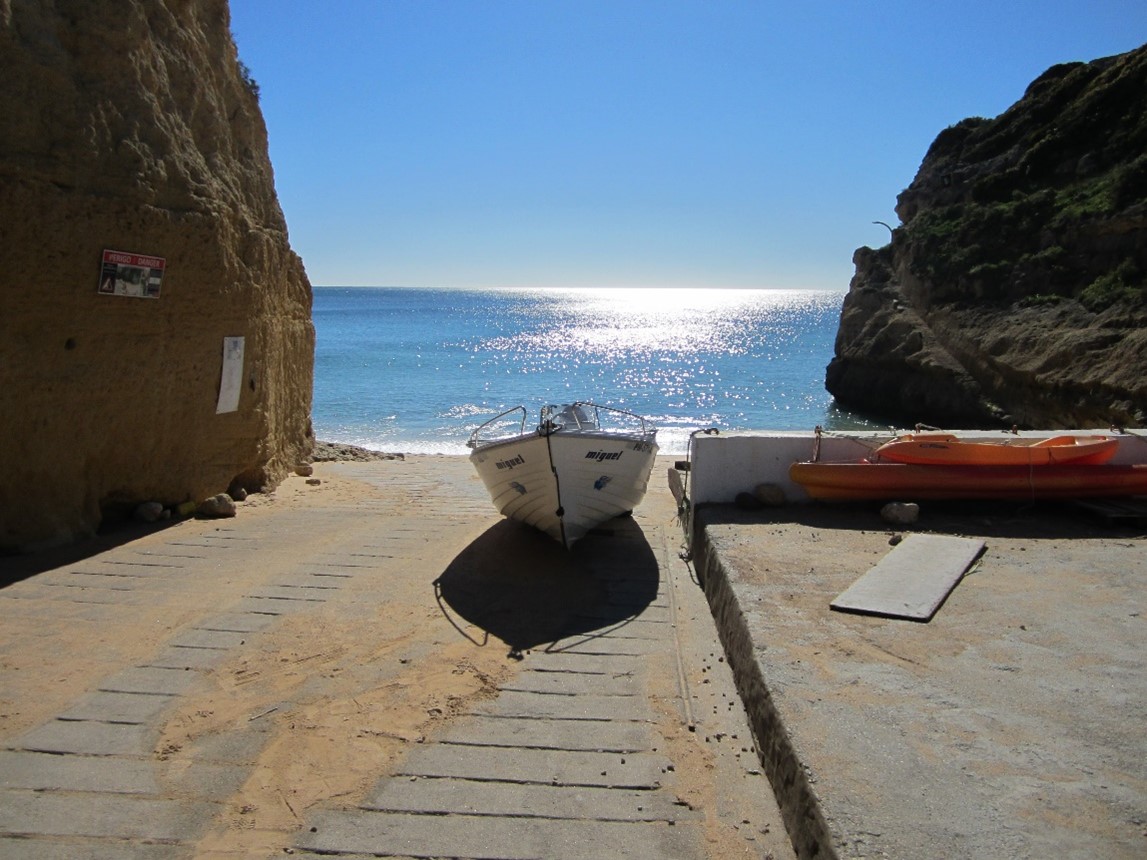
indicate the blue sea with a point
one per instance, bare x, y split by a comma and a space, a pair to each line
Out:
416, 370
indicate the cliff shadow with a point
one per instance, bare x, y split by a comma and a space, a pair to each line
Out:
517, 584
16, 567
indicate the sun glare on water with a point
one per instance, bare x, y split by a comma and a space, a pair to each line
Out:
643, 323
438, 363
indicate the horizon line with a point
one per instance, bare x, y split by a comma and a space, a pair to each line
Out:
566, 287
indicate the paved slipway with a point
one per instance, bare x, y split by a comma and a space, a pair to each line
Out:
376, 665
1012, 724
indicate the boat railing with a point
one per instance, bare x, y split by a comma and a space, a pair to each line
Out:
496, 428
585, 415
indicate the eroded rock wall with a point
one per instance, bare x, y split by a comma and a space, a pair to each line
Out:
130, 125
1014, 290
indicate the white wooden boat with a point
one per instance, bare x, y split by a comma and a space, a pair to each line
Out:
582, 465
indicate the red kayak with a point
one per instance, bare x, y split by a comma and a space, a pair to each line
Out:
907, 482
943, 449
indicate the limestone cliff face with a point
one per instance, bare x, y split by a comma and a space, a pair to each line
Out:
1014, 290
130, 125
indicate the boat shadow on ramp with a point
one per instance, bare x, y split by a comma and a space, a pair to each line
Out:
518, 585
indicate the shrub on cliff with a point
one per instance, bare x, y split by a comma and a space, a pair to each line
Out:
1048, 198
1019, 271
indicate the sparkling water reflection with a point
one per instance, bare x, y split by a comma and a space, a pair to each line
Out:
415, 370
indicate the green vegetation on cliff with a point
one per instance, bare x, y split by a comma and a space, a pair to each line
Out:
1015, 289
1046, 200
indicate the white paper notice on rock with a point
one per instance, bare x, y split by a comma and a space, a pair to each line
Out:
231, 380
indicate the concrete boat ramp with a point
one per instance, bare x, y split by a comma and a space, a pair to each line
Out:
378, 666
1012, 724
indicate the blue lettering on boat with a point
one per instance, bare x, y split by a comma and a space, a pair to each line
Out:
511, 463
603, 455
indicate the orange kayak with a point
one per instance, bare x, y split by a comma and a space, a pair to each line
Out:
947, 450
909, 482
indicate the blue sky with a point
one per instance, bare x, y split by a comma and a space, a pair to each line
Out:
553, 143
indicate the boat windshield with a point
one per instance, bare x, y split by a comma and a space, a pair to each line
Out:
593, 417
573, 416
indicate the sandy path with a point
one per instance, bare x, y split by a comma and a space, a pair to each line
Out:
319, 636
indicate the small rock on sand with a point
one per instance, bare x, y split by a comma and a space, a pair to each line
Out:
769, 495
221, 505
900, 513
149, 512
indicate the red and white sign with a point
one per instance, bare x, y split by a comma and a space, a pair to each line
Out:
126, 274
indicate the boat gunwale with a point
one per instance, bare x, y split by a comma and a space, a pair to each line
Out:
547, 427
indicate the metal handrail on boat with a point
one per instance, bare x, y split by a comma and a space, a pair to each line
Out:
582, 415
474, 441
586, 415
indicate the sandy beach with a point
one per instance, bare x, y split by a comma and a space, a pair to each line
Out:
238, 682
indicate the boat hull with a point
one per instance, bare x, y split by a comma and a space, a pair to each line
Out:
948, 450
906, 482
567, 482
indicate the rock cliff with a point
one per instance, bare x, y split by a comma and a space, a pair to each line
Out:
131, 126
1014, 290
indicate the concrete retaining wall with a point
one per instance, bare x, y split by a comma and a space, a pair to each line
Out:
799, 806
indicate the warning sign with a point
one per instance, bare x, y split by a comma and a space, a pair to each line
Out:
125, 274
